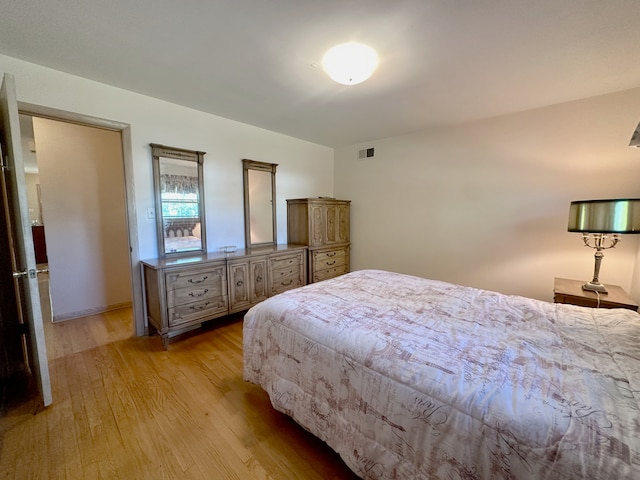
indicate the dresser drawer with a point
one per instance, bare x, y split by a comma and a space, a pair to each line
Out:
202, 278
277, 262
286, 279
199, 310
287, 272
182, 296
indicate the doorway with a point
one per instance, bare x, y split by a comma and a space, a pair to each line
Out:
127, 217
80, 213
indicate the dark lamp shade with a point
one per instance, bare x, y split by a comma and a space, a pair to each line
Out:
635, 138
605, 216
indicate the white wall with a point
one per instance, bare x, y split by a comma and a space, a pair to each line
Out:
33, 180
31, 168
82, 183
486, 204
482, 204
305, 169
635, 281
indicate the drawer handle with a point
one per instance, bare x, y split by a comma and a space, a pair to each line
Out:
239, 283
195, 295
331, 263
331, 254
199, 307
192, 281
286, 284
258, 278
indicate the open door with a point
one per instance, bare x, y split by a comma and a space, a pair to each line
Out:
25, 272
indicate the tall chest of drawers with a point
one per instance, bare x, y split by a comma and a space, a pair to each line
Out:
323, 225
183, 292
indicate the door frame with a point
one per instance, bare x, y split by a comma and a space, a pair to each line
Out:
129, 188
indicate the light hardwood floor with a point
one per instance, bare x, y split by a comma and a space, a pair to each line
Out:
126, 409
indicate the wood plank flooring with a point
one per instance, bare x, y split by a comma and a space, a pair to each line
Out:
126, 409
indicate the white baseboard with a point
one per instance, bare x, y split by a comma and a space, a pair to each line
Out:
89, 311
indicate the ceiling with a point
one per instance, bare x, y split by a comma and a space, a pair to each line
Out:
442, 61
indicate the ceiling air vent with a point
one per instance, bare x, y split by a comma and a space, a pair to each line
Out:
366, 153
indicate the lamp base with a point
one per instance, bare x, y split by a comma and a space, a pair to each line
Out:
594, 287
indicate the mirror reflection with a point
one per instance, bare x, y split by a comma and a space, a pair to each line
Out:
179, 203
259, 202
260, 206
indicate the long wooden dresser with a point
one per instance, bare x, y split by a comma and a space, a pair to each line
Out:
183, 292
322, 224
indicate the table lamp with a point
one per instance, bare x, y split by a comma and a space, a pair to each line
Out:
601, 223
635, 137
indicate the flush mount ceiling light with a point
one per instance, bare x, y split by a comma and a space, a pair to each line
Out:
350, 63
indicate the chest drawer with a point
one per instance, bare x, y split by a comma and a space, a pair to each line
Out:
328, 263
319, 275
329, 259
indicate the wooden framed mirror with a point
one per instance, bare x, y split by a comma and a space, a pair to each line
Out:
260, 226
178, 184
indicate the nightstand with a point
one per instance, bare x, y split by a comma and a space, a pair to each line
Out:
570, 291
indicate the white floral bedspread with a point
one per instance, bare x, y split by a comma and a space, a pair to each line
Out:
408, 378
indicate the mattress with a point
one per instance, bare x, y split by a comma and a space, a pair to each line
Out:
409, 378
182, 244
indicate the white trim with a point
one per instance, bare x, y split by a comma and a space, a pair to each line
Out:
89, 311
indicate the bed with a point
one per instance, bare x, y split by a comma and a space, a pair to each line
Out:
182, 235
182, 244
409, 378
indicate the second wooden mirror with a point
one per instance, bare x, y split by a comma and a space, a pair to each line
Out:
260, 226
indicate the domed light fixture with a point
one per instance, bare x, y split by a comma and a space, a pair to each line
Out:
350, 63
